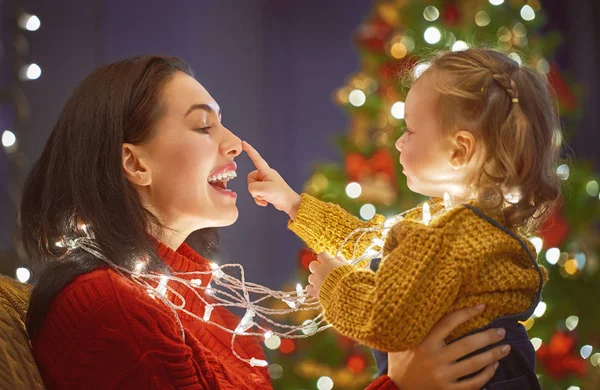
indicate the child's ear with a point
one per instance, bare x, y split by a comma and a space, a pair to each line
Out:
463, 149
134, 167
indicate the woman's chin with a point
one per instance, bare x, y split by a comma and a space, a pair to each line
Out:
226, 216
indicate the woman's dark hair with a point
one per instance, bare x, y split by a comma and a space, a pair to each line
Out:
78, 183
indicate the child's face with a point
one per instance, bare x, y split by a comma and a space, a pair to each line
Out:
427, 152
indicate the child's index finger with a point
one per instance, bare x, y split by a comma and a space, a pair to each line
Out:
256, 158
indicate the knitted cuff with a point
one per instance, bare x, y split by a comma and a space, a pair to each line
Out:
308, 224
327, 293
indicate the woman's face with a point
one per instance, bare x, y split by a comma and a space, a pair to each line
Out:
189, 160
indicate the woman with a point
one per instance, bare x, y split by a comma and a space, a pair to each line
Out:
139, 159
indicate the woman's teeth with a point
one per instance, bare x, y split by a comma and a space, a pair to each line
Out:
222, 178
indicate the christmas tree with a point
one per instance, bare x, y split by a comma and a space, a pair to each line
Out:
395, 36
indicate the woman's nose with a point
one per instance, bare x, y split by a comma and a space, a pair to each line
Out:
231, 144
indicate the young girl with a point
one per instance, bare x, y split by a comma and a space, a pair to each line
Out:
481, 141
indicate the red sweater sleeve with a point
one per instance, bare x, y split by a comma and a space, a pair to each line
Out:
382, 383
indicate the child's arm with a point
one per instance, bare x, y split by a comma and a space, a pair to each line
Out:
395, 308
323, 226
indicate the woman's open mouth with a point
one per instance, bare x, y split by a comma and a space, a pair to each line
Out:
219, 182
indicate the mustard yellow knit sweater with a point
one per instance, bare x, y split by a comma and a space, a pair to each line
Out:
457, 260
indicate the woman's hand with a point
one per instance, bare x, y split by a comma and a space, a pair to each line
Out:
320, 269
433, 364
267, 186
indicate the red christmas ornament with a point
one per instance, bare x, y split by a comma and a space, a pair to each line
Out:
356, 364
287, 346
373, 34
382, 161
557, 357
305, 257
566, 98
358, 166
450, 14
554, 230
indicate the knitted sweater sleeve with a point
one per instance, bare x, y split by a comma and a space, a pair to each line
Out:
324, 227
395, 308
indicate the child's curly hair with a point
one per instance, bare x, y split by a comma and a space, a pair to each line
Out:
510, 109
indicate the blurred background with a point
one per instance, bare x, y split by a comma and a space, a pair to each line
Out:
314, 86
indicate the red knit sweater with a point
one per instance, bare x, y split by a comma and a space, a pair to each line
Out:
104, 332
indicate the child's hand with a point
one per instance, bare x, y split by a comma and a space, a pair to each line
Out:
320, 269
267, 186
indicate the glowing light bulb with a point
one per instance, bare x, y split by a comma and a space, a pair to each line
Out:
246, 322
357, 98
420, 69
516, 58
309, 327
586, 351
537, 343
447, 200
207, 312
538, 243
162, 285
592, 188
460, 46
432, 35
23, 274
217, 272
8, 138
353, 190
540, 310
552, 255
398, 110
258, 362
29, 22
367, 212
31, 72
325, 383
543, 65
571, 322
527, 13
426, 213
273, 342
430, 13
482, 19
139, 267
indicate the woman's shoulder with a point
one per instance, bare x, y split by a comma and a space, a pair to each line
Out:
103, 296
96, 287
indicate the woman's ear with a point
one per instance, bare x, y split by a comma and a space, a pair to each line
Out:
134, 167
463, 149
